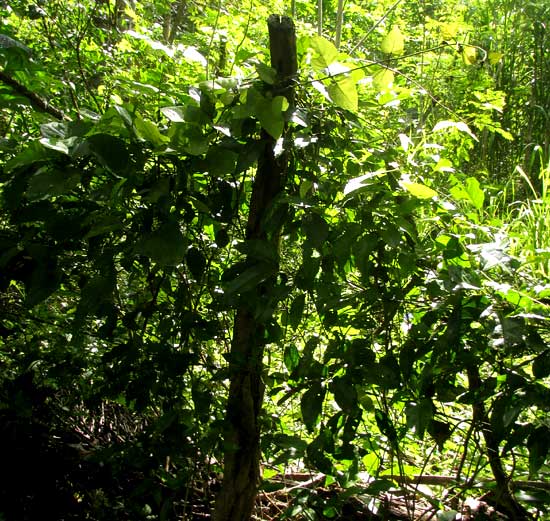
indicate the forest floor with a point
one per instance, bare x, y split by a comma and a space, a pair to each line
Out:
303, 496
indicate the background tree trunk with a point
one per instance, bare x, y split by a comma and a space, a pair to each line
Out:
242, 435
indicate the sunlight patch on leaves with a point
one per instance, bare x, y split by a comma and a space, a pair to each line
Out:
393, 42
458, 125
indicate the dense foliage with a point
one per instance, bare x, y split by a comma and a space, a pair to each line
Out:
403, 294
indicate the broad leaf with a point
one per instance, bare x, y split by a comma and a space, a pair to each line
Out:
291, 357
393, 42
383, 79
458, 125
419, 190
271, 117
148, 131
344, 394
311, 405
196, 262
166, 246
47, 183
538, 444
470, 191
110, 151
316, 229
469, 55
541, 365
494, 57
267, 74
419, 416
285, 441
176, 114
296, 311
324, 53
250, 278
343, 92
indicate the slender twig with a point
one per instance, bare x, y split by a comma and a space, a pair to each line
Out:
243, 38
320, 17
36, 101
339, 23
365, 36
214, 31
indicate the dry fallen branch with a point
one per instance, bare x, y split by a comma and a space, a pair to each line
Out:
451, 481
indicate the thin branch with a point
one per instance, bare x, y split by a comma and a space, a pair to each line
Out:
386, 14
36, 101
339, 23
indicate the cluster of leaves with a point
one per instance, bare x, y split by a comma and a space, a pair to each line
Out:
397, 308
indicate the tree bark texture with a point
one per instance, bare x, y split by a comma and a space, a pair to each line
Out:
241, 478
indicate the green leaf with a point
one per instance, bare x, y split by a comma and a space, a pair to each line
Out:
419, 416
311, 405
196, 262
175, 114
166, 246
388, 374
470, 191
270, 114
475, 193
324, 52
55, 129
393, 42
307, 272
59, 145
454, 125
296, 311
285, 441
344, 394
266, 73
385, 425
541, 365
33, 153
440, 432
291, 357
343, 92
220, 161
250, 278
96, 292
47, 183
419, 190
469, 55
202, 399
148, 131
379, 485
383, 79
257, 249
316, 230
110, 151
538, 444
102, 224
43, 281
494, 57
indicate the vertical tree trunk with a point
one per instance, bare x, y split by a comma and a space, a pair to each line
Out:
503, 494
241, 477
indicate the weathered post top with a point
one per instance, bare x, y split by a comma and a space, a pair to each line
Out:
282, 46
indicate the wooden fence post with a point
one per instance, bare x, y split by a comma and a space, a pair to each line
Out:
241, 477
